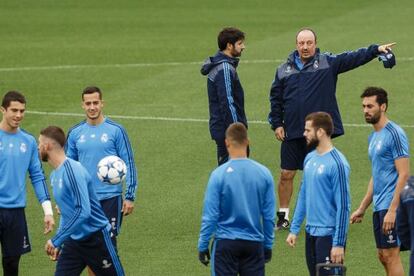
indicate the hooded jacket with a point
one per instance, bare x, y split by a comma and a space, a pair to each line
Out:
295, 93
225, 94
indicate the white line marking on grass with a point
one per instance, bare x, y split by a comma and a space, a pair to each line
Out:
173, 119
137, 65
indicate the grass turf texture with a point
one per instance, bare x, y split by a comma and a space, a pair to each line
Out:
175, 158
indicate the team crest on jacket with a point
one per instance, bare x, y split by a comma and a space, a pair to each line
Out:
104, 138
82, 139
288, 69
378, 145
316, 64
321, 169
23, 147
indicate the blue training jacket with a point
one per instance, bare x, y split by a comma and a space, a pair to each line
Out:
88, 144
225, 94
296, 93
324, 198
239, 204
19, 155
81, 213
405, 220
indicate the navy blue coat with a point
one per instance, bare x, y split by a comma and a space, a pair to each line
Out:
296, 93
405, 220
225, 94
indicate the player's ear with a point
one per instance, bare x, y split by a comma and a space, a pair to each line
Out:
319, 132
227, 142
229, 46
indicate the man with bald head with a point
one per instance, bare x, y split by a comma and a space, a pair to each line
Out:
306, 83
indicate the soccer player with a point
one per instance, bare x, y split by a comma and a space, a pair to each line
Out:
239, 210
388, 152
405, 220
91, 140
323, 197
225, 93
306, 83
83, 237
18, 155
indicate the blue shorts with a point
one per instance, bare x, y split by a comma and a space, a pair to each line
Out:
95, 251
14, 236
293, 153
318, 250
383, 241
112, 208
234, 257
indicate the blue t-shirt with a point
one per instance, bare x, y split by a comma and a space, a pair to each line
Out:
80, 211
19, 155
239, 204
324, 197
88, 144
386, 146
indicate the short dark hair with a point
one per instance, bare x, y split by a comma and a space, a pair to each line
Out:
321, 120
380, 93
229, 35
55, 133
12, 96
237, 133
306, 29
91, 90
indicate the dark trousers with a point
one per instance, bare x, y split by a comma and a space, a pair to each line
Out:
318, 250
237, 257
96, 251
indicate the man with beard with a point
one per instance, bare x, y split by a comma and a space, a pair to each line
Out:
388, 152
95, 138
225, 93
304, 84
83, 237
323, 197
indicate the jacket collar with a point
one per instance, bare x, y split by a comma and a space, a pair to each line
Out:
291, 58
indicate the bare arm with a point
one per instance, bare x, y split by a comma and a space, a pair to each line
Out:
358, 214
403, 168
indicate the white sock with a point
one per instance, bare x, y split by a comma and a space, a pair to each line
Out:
286, 211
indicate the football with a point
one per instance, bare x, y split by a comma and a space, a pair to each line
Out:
111, 170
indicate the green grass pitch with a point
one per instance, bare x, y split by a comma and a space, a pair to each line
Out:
146, 57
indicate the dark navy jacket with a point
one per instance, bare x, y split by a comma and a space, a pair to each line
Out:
225, 94
405, 220
296, 93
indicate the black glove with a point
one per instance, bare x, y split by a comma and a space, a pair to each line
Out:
204, 257
267, 255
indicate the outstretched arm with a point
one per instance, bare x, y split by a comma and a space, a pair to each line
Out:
353, 59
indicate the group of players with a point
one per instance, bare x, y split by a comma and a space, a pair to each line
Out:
90, 211
239, 205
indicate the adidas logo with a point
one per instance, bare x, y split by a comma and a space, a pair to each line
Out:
229, 170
